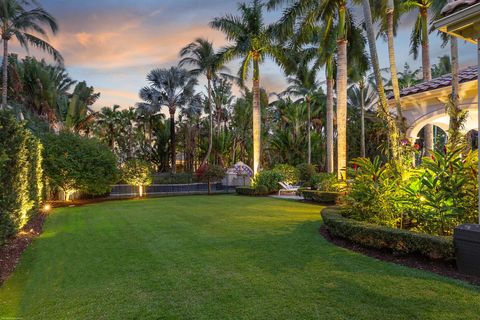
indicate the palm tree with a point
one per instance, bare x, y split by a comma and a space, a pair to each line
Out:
361, 95
382, 105
336, 20
252, 41
304, 84
457, 116
222, 99
419, 37
107, 123
201, 55
173, 88
388, 12
17, 21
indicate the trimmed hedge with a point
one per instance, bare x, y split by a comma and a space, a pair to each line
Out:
397, 240
21, 175
320, 196
251, 191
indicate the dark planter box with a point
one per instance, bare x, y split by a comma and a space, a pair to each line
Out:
467, 248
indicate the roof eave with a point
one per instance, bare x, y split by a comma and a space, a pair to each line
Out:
463, 24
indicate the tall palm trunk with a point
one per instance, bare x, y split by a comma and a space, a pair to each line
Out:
173, 142
427, 73
383, 105
210, 115
309, 123
342, 110
454, 138
393, 66
342, 95
362, 120
5, 73
257, 117
330, 117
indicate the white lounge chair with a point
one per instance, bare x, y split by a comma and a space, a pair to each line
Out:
286, 188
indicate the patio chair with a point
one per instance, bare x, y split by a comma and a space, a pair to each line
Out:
286, 188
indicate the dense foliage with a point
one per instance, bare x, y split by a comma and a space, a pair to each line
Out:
21, 176
433, 198
75, 163
137, 173
269, 179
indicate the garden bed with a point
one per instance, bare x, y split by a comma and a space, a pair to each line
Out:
444, 267
12, 250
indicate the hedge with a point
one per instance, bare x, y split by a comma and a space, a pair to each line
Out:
21, 175
251, 191
320, 196
396, 240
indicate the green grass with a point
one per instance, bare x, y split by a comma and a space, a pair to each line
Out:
218, 257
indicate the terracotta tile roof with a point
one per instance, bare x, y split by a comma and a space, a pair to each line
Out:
457, 5
465, 75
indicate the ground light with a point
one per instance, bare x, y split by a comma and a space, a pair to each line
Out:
47, 207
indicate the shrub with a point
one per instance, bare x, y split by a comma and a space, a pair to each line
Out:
261, 190
269, 179
320, 196
137, 173
21, 181
396, 240
290, 173
246, 191
374, 193
72, 163
325, 182
306, 172
443, 192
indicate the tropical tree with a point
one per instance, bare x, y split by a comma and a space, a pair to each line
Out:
107, 122
419, 37
408, 77
18, 19
337, 23
388, 13
304, 84
201, 55
78, 116
222, 98
173, 88
443, 67
362, 96
383, 109
252, 41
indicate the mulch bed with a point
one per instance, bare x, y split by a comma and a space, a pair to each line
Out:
11, 251
413, 261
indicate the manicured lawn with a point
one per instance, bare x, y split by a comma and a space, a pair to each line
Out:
218, 257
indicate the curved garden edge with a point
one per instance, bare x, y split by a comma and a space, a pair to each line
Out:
416, 261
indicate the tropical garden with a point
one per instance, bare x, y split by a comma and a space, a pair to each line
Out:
336, 130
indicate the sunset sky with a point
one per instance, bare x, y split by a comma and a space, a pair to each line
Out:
113, 44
